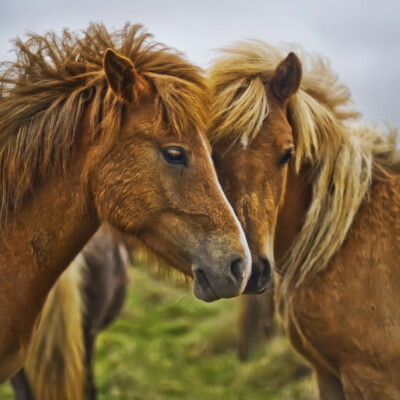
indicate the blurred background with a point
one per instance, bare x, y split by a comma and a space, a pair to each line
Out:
166, 344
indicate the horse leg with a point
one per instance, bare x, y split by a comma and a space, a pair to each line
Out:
249, 318
90, 384
329, 386
256, 319
20, 384
105, 290
268, 311
364, 382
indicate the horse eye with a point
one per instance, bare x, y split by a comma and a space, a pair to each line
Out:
175, 155
287, 156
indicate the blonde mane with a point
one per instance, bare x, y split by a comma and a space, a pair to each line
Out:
344, 154
45, 92
55, 364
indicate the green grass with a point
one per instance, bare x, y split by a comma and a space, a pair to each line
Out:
168, 345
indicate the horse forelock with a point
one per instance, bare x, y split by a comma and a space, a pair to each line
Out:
341, 151
240, 77
45, 92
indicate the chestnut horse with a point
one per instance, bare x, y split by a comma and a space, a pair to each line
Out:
298, 166
86, 298
95, 127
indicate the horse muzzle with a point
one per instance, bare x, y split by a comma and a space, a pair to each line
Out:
213, 283
261, 273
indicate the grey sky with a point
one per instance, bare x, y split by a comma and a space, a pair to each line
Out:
361, 38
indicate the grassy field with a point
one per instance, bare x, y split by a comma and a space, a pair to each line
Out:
167, 345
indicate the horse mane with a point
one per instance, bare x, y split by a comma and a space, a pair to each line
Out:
55, 364
45, 92
343, 153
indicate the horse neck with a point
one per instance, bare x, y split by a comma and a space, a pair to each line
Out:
36, 245
291, 215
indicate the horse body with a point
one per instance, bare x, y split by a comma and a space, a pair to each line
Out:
333, 208
84, 300
90, 136
39, 250
344, 320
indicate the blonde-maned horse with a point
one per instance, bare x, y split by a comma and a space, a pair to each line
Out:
313, 184
95, 127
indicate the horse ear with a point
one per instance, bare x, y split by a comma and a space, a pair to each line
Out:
287, 77
120, 73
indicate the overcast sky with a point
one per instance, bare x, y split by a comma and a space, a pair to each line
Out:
360, 37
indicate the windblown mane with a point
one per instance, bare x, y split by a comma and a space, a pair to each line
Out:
44, 93
343, 153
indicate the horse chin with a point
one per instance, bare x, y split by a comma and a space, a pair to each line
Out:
203, 290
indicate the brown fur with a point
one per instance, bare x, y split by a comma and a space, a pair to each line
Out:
337, 230
55, 363
48, 88
86, 298
75, 153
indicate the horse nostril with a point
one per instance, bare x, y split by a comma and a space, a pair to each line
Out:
266, 272
259, 278
237, 269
